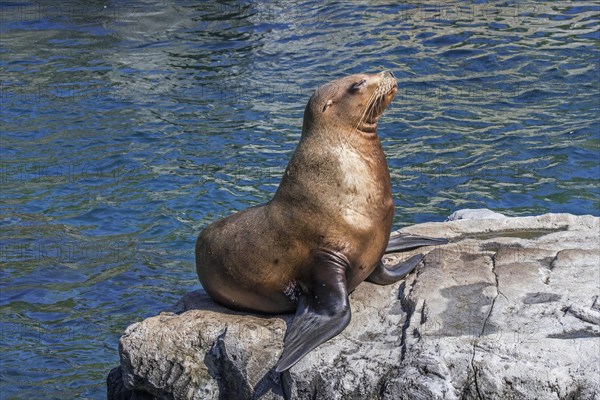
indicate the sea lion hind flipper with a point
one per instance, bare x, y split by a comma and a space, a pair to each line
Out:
323, 310
400, 241
382, 275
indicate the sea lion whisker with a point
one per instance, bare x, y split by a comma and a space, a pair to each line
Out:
366, 111
372, 109
367, 108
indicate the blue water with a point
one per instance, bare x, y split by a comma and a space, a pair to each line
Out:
127, 127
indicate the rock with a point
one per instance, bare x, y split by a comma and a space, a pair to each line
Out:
509, 309
475, 213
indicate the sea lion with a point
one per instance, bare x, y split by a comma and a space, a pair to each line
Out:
326, 228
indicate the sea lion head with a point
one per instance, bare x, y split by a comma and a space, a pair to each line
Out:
352, 103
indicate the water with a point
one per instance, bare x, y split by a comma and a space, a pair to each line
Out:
129, 126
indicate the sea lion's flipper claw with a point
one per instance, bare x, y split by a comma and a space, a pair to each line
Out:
322, 313
400, 241
382, 275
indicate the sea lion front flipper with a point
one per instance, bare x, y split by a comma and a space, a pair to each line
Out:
382, 275
403, 241
323, 309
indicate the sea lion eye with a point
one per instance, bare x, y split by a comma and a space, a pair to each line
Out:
357, 85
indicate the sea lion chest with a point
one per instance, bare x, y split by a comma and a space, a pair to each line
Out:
364, 206
364, 194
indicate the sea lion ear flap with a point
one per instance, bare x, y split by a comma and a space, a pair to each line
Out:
327, 105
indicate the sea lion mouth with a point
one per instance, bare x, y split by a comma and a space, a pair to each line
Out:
382, 97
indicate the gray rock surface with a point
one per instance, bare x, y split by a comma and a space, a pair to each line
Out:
510, 309
475, 213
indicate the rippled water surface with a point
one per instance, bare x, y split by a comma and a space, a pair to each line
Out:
127, 127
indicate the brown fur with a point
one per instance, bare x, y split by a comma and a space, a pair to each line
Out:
335, 194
